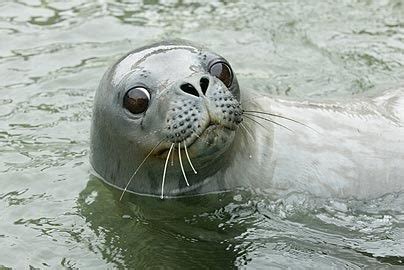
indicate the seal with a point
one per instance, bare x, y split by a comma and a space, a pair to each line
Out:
170, 120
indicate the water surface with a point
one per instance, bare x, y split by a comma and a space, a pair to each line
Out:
54, 214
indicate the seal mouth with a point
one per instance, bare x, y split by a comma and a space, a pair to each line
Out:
189, 141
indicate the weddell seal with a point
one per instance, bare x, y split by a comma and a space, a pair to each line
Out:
170, 120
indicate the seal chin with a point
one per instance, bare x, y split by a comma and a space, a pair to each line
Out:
212, 141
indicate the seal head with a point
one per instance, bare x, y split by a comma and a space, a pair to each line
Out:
162, 113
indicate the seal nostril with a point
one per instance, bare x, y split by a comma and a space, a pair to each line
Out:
190, 89
204, 83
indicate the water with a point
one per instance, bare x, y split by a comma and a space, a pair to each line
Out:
54, 214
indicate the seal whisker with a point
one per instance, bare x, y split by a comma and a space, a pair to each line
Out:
189, 160
283, 117
138, 168
249, 116
247, 131
255, 121
165, 170
182, 167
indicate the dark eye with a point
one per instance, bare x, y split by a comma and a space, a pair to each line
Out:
223, 72
136, 100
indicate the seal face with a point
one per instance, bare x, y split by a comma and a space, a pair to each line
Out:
170, 102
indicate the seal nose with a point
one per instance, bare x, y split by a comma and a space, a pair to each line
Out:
191, 89
204, 83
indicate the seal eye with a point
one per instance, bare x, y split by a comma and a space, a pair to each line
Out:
136, 100
223, 72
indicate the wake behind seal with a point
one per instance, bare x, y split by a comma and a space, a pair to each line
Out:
170, 120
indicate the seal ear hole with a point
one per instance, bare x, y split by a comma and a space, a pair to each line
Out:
189, 89
204, 83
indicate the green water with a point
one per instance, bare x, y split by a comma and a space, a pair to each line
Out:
53, 214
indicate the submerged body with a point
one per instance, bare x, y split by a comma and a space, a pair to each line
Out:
170, 120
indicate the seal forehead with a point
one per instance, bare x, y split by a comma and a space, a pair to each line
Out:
163, 59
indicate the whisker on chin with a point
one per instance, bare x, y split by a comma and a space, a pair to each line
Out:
249, 116
189, 160
138, 168
247, 131
165, 170
281, 116
182, 167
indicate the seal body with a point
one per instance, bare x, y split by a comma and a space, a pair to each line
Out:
355, 150
170, 120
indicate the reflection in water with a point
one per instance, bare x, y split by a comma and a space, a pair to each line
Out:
242, 228
148, 232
